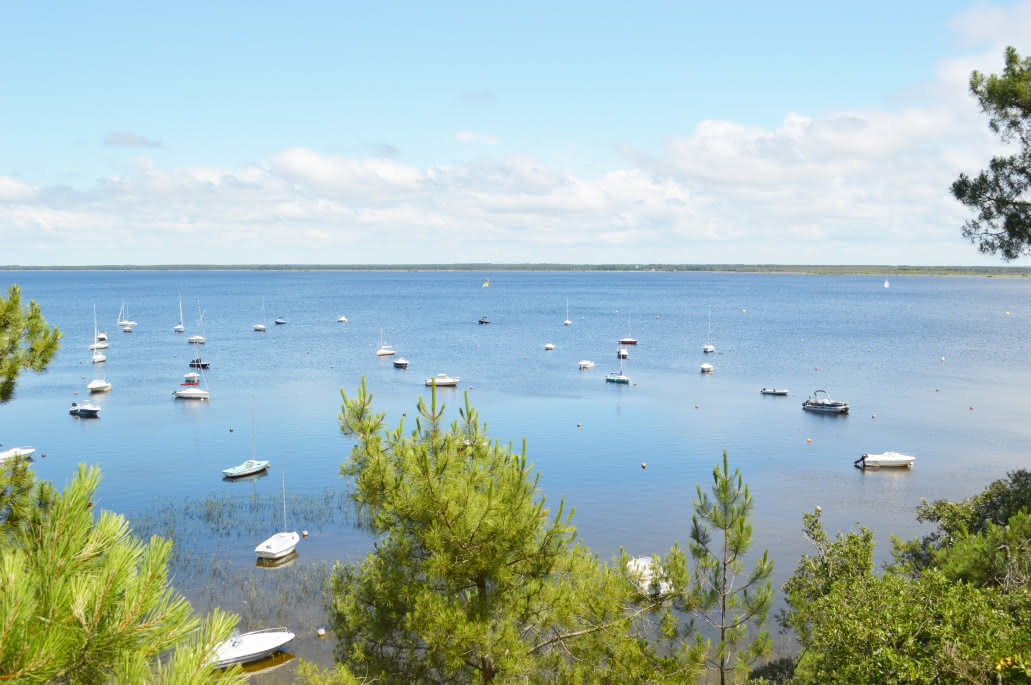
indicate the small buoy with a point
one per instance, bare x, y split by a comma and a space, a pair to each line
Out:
943, 359
83, 378
230, 430
936, 389
524, 357
304, 533
470, 387
742, 311
331, 366
817, 368
874, 416
76, 393
404, 414
656, 316
44, 455
818, 509
643, 465
1007, 313
971, 408
578, 425
321, 633
808, 439
80, 362
696, 406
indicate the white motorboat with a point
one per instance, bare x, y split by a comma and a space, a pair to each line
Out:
279, 321
99, 345
400, 363
705, 368
192, 392
586, 364
821, 402
197, 339
642, 573
442, 380
258, 644
567, 322
628, 340
384, 350
708, 346
549, 346
260, 327
99, 385
101, 335
622, 353
191, 378
16, 452
126, 329
84, 410
342, 319
885, 460
179, 327
774, 391
484, 321
280, 544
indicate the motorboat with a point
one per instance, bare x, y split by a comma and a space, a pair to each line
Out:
260, 327
622, 353
97, 343
774, 391
442, 380
192, 392
126, 329
84, 410
191, 378
16, 452
821, 402
279, 321
705, 368
384, 350
567, 322
258, 644
549, 346
586, 364
628, 340
99, 385
708, 346
280, 544
400, 363
199, 363
101, 336
484, 320
642, 572
249, 467
342, 319
885, 460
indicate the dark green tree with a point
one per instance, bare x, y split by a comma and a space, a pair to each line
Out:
25, 341
721, 536
473, 579
1001, 195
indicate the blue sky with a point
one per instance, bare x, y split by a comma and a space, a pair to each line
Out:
800, 132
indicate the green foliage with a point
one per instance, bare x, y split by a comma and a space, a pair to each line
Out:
474, 579
999, 556
777, 672
1000, 195
83, 601
730, 609
25, 341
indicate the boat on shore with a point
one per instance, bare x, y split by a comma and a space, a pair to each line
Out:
885, 460
821, 403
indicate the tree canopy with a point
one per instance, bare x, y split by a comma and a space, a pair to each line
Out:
1001, 194
25, 341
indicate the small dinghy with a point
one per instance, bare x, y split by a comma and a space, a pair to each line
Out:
780, 392
885, 460
280, 321
400, 363
549, 346
84, 410
586, 364
242, 649
16, 452
821, 403
705, 368
484, 319
342, 319
249, 467
442, 380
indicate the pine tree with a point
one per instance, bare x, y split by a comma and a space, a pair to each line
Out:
25, 341
728, 608
472, 578
83, 601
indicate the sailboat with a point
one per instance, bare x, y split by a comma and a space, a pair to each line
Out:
191, 390
885, 284
99, 343
618, 377
567, 322
280, 544
628, 340
97, 356
123, 317
260, 327
708, 346
252, 465
179, 327
384, 350
486, 283
198, 339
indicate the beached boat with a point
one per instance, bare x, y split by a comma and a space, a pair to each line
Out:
442, 380
84, 410
258, 644
16, 452
821, 402
774, 391
885, 460
628, 340
586, 364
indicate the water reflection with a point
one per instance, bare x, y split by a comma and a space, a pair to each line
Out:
268, 664
282, 562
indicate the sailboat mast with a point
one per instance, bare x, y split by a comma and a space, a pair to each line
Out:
180, 309
284, 493
254, 443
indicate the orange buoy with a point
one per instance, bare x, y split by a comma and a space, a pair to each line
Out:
83, 378
43, 455
971, 407
643, 465
808, 439
696, 406
817, 368
936, 389
76, 393
230, 430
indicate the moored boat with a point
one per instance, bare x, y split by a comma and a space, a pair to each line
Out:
84, 410
99, 385
16, 452
885, 460
774, 391
442, 380
821, 403
247, 468
400, 363
258, 644
705, 368
586, 364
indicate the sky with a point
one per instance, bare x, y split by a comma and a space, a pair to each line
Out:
374, 133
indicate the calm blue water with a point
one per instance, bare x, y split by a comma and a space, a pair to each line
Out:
879, 349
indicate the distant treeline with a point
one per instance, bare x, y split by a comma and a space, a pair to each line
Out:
873, 269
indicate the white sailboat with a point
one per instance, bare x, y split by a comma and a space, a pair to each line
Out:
191, 390
260, 327
97, 356
885, 284
384, 350
97, 384
99, 343
708, 346
198, 339
179, 327
280, 544
123, 317
618, 377
628, 340
567, 322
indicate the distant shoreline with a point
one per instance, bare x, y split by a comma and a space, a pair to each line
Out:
809, 269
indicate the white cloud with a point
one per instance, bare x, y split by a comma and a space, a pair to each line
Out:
478, 138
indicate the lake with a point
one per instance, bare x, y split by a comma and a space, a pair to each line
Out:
965, 418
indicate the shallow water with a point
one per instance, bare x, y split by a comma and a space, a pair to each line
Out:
879, 349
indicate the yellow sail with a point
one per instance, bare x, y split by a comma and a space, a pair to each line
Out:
486, 283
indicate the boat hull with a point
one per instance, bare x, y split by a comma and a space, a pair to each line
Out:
248, 647
249, 467
277, 546
886, 460
773, 391
825, 408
